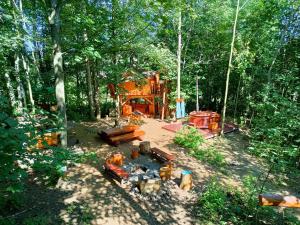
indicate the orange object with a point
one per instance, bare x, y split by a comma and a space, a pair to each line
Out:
135, 153
205, 119
116, 170
126, 137
279, 200
118, 131
127, 110
165, 173
179, 100
213, 126
116, 159
148, 89
52, 139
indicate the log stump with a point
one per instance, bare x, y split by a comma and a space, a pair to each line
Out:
165, 173
186, 180
145, 147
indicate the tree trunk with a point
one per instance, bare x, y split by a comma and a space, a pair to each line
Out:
27, 69
54, 21
96, 96
236, 99
20, 88
229, 65
89, 81
179, 56
11, 92
197, 94
115, 61
78, 89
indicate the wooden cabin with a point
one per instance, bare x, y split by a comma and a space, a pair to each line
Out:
146, 96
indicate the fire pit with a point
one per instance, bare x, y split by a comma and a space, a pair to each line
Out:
149, 173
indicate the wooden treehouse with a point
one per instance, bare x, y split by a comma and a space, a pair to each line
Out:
146, 96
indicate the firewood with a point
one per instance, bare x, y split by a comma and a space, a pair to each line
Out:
279, 200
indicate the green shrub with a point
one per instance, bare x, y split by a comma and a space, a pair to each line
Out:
50, 165
12, 152
209, 155
189, 137
227, 205
275, 133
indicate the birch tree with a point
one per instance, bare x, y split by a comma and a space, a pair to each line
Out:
54, 21
229, 65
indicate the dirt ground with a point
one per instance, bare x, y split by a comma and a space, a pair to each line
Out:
86, 195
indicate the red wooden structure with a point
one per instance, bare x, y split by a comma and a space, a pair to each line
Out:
142, 96
205, 120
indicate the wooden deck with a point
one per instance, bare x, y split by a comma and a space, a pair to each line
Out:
207, 134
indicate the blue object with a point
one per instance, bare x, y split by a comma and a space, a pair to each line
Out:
186, 172
182, 109
178, 110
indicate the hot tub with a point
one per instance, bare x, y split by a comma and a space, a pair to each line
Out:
204, 119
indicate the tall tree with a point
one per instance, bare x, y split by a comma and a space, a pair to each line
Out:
230, 64
179, 56
55, 25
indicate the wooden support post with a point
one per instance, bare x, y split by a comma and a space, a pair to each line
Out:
163, 104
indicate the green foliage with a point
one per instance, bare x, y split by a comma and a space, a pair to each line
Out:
51, 164
12, 154
189, 137
275, 134
209, 155
159, 58
37, 220
227, 205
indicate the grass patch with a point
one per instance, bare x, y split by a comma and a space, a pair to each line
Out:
189, 138
209, 155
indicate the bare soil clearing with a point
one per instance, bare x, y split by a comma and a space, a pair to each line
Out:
86, 195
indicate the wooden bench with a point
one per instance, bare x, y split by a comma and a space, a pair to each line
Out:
118, 131
162, 155
126, 137
115, 136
